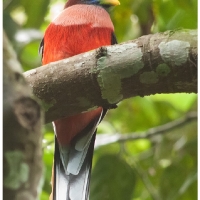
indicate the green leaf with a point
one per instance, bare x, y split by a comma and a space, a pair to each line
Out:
175, 14
35, 11
44, 195
112, 178
29, 56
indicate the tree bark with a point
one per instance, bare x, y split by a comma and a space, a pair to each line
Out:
159, 63
22, 138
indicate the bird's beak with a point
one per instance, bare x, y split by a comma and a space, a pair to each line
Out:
110, 2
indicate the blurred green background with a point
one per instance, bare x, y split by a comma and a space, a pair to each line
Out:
163, 167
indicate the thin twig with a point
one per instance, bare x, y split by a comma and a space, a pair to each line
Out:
146, 181
105, 139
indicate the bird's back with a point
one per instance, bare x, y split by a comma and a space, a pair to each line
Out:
79, 28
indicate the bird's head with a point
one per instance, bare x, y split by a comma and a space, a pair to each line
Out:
104, 3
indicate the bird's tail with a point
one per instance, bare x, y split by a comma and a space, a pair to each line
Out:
73, 162
72, 185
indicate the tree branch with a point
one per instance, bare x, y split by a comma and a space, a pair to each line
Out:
105, 139
159, 63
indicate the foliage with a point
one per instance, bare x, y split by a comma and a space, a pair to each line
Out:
163, 167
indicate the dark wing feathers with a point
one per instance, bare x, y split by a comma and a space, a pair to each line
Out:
113, 39
68, 186
41, 47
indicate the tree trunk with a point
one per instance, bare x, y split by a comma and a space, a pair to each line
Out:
22, 138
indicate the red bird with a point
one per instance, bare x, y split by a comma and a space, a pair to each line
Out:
83, 25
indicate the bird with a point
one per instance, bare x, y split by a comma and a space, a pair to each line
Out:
83, 25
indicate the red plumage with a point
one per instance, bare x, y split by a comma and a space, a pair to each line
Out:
74, 125
78, 28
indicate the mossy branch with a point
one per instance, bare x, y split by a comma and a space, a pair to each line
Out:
158, 63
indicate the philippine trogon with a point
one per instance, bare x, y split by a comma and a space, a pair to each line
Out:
82, 26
